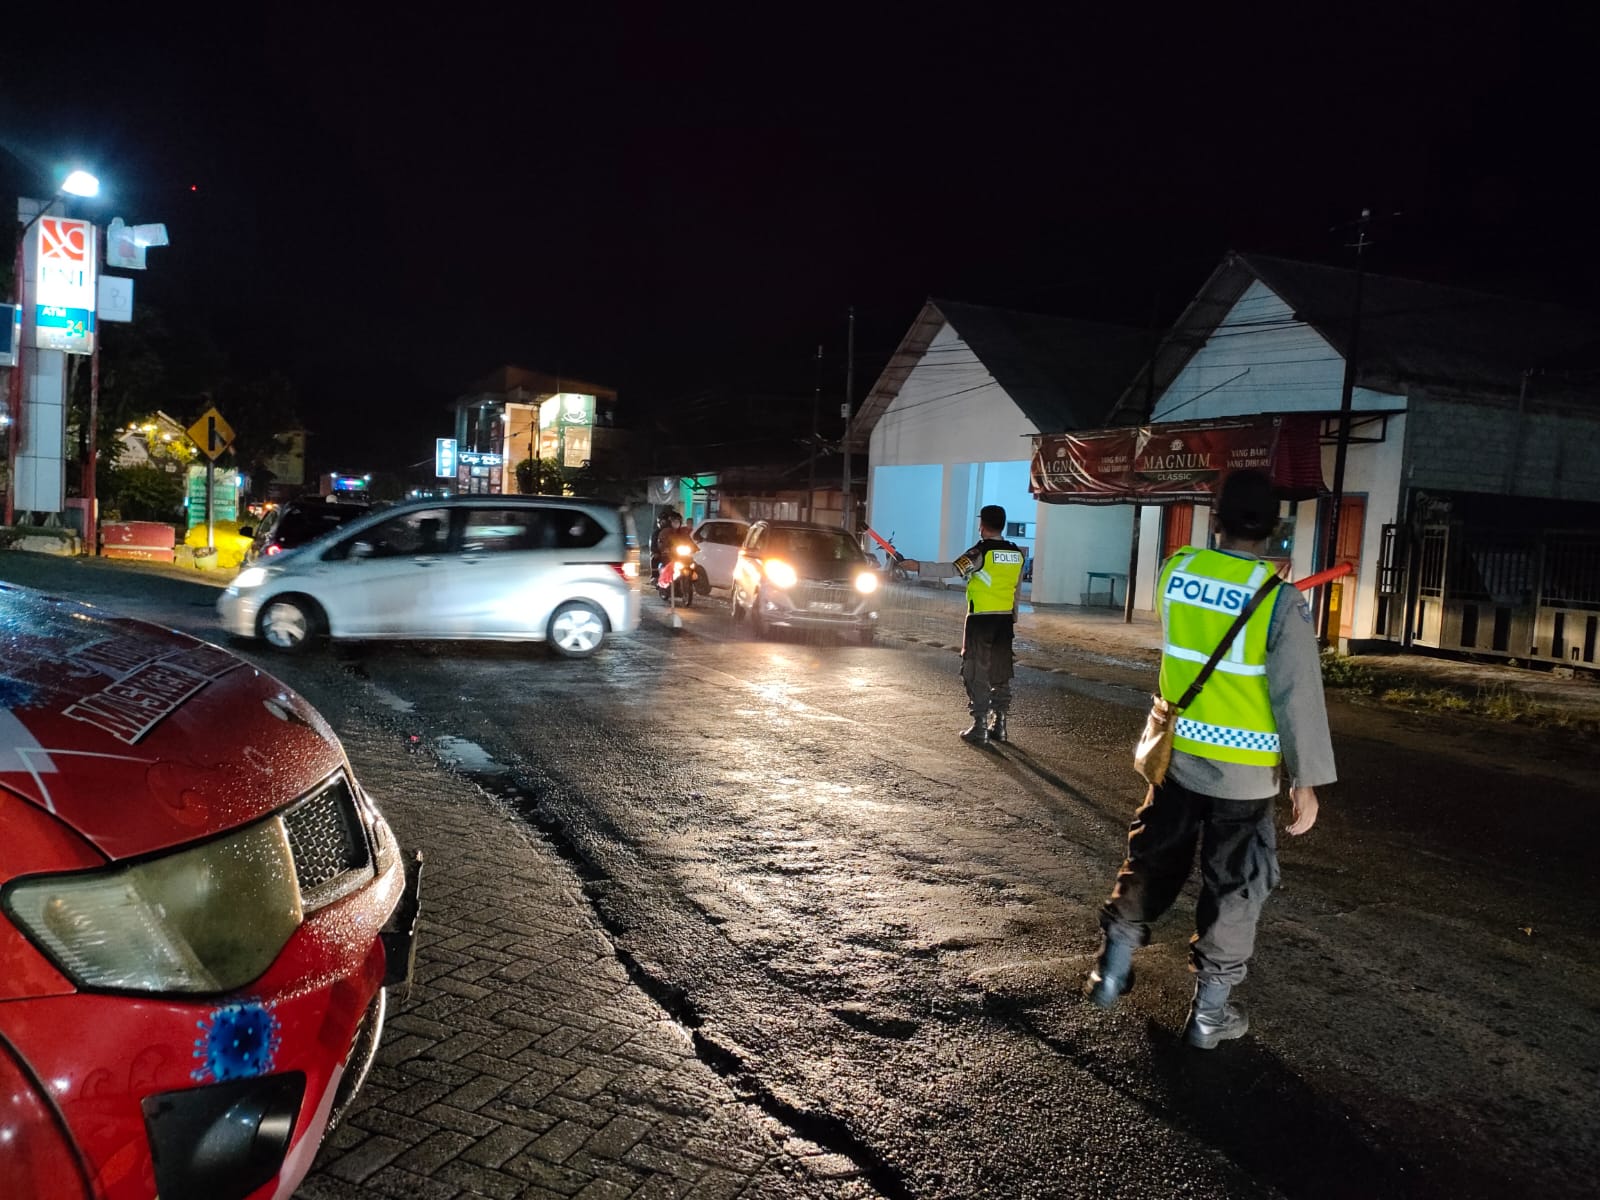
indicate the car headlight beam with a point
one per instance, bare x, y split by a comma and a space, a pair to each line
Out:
250, 577
866, 583
206, 919
781, 573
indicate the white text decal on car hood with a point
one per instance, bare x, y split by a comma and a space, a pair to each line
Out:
141, 699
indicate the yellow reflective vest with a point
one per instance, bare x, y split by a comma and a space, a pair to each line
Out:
1201, 592
993, 571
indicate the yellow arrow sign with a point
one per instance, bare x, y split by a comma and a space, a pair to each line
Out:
212, 434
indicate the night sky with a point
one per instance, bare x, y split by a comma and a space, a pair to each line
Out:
667, 199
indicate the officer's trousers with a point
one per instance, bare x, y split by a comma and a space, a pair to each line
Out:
1238, 867
986, 662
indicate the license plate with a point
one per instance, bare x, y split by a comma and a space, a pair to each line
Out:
826, 606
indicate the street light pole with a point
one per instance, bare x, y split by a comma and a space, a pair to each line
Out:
811, 459
847, 520
91, 522
14, 425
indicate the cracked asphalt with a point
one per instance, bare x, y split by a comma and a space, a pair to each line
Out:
710, 916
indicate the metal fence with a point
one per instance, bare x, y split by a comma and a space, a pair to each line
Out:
1533, 596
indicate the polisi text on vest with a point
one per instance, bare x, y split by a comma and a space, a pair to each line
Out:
1208, 593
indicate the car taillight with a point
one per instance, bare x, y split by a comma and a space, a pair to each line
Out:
274, 548
36, 1159
629, 571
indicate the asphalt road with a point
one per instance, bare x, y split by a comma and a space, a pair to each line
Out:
878, 933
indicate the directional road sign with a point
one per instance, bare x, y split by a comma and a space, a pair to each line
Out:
212, 434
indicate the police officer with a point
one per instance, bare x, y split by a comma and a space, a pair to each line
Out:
993, 571
1259, 716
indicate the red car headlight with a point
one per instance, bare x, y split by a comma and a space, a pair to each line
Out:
206, 919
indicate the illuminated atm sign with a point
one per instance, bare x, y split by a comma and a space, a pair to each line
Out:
63, 254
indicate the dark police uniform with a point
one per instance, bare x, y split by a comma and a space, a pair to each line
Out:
993, 571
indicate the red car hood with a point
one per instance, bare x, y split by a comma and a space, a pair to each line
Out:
141, 738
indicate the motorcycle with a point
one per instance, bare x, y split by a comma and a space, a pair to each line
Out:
680, 576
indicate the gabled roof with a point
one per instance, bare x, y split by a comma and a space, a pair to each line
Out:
1062, 373
1412, 333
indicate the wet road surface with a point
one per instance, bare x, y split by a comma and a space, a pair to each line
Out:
879, 932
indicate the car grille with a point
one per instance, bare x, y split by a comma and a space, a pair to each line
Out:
805, 594
331, 855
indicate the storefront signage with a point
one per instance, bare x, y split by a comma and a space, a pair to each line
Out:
480, 458
1187, 460
573, 408
63, 254
224, 496
444, 458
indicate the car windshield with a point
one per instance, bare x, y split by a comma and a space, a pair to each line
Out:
813, 546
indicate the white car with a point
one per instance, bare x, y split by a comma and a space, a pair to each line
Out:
514, 568
719, 540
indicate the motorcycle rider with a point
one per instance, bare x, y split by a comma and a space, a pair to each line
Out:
657, 537
675, 534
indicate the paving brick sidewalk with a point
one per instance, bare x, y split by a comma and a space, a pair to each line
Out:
525, 1062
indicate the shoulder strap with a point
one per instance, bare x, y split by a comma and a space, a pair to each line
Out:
1227, 640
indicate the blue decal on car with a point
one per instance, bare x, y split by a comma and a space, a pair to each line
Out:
237, 1042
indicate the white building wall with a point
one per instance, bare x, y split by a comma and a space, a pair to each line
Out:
1261, 359
1375, 471
41, 480
952, 414
1144, 588
899, 501
1075, 539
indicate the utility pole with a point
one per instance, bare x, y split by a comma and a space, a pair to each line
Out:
811, 459
91, 509
847, 520
1138, 509
1346, 394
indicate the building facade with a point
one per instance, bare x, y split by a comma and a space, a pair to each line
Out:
517, 426
948, 428
1472, 466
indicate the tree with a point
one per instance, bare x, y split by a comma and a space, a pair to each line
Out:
133, 385
144, 493
259, 407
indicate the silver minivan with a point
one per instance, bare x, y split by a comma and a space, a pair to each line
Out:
513, 568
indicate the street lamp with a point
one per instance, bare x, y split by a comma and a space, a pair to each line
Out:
81, 183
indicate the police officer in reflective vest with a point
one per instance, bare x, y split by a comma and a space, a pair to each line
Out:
1259, 716
993, 571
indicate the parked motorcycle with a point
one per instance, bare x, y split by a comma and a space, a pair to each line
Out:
899, 568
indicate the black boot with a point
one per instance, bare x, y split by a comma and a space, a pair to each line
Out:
1112, 975
978, 732
1211, 1018
997, 731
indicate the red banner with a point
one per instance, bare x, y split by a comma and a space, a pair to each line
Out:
1185, 460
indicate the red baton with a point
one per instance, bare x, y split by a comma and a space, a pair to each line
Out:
1322, 577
